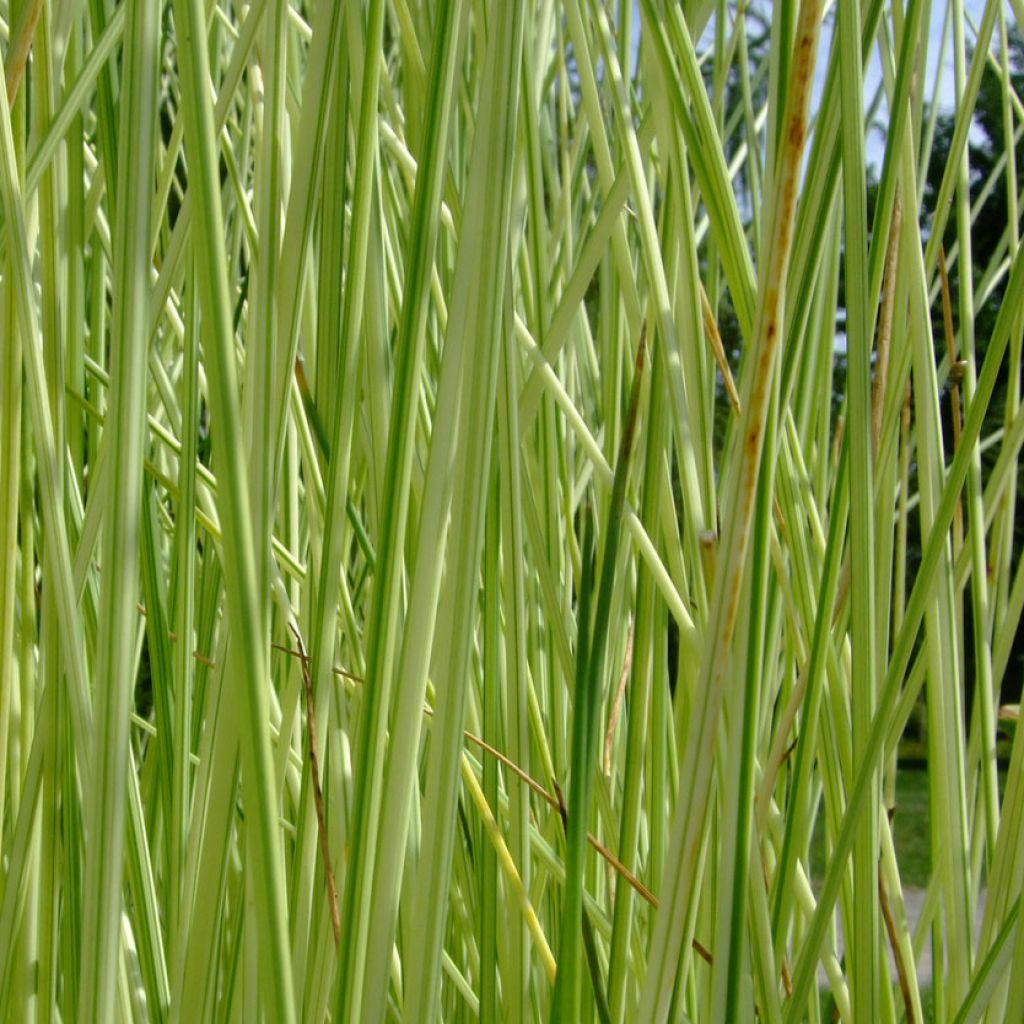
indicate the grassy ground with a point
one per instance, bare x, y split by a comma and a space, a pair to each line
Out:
910, 826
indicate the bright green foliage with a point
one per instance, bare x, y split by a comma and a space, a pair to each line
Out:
404, 614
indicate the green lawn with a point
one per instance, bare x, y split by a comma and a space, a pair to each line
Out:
910, 826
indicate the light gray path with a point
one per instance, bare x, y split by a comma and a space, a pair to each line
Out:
913, 902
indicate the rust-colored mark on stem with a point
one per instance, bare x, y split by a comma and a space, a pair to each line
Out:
718, 349
901, 967
21, 46
755, 412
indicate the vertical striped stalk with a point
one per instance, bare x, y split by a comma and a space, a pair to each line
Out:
125, 438
343, 304
678, 887
363, 963
588, 698
249, 680
641, 684
863, 928
184, 612
480, 313
728, 997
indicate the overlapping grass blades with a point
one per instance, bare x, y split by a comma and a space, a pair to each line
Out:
321, 329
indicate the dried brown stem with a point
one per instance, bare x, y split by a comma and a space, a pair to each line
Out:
21, 46
715, 340
901, 967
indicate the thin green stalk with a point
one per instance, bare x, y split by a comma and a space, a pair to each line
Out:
481, 310
680, 882
588, 699
362, 974
238, 543
863, 929
125, 436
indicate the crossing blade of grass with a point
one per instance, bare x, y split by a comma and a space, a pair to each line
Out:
327, 83
640, 689
517, 675
183, 613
